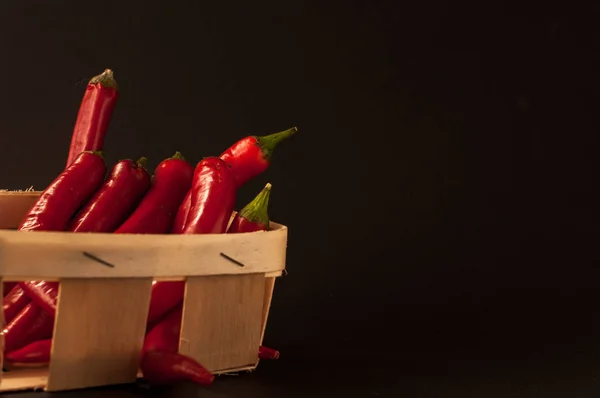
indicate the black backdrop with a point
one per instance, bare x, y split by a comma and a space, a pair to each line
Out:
438, 194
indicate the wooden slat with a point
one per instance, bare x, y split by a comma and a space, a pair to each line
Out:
99, 332
14, 205
25, 379
269, 287
222, 320
125, 255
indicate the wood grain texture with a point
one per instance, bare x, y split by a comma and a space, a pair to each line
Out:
269, 287
24, 379
62, 254
99, 332
13, 206
102, 308
222, 320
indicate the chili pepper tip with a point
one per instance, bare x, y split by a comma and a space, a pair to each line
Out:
106, 79
268, 142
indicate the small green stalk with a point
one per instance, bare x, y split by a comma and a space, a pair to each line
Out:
178, 155
268, 143
257, 210
106, 79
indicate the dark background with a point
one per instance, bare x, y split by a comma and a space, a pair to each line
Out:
439, 193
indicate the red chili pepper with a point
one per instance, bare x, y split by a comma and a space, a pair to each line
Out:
7, 287
267, 353
13, 303
94, 115
115, 200
51, 212
251, 155
168, 367
165, 296
182, 213
66, 194
213, 198
164, 336
43, 294
156, 211
31, 324
248, 158
37, 352
254, 216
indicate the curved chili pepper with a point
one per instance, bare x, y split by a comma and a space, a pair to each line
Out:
37, 353
94, 115
51, 212
115, 200
164, 296
213, 198
248, 158
13, 303
254, 216
267, 353
43, 294
160, 367
66, 194
164, 336
156, 211
251, 155
31, 324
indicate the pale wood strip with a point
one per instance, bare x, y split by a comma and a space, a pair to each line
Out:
14, 205
25, 379
269, 287
99, 332
160, 278
63, 254
30, 379
222, 320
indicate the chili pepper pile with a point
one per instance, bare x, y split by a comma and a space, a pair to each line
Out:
178, 199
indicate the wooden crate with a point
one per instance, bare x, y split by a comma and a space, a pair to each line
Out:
105, 285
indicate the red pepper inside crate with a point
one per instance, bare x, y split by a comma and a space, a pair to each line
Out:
157, 210
36, 353
213, 198
251, 155
254, 216
43, 294
164, 336
51, 212
182, 213
94, 115
164, 296
154, 215
248, 158
14, 302
66, 194
31, 324
115, 200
